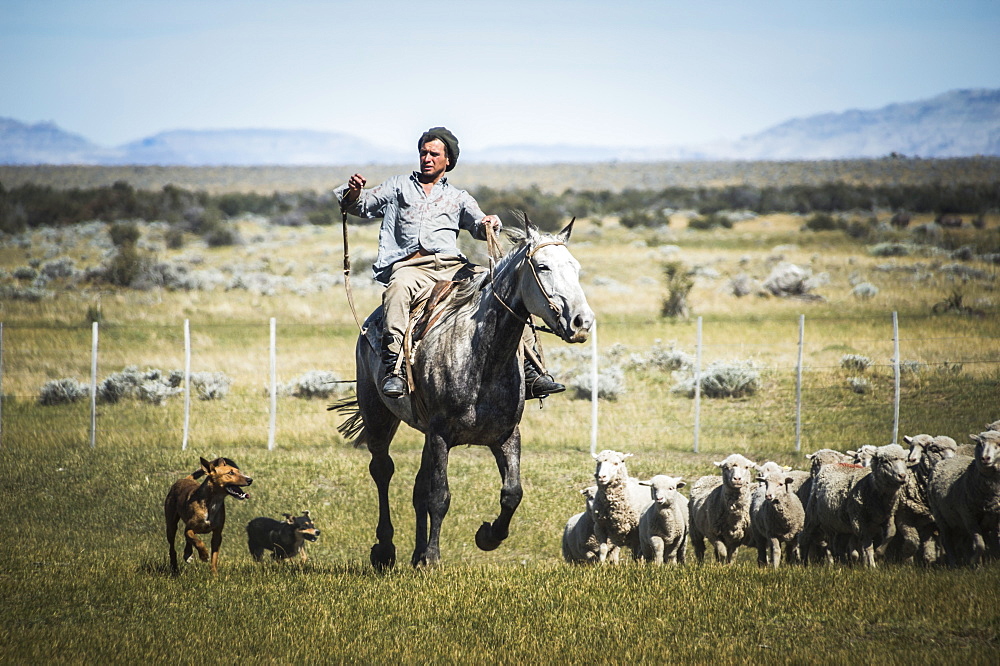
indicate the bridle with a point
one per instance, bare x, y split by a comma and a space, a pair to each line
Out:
493, 245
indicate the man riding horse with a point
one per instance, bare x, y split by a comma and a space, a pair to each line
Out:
421, 217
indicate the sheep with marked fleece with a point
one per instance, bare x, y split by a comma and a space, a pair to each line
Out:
813, 545
720, 509
618, 504
964, 496
871, 503
663, 526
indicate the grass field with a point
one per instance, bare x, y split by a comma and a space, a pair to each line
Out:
84, 563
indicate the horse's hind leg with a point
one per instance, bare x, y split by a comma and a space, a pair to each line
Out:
380, 427
431, 500
508, 457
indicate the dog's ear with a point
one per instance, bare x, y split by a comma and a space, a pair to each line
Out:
230, 462
207, 466
306, 513
289, 518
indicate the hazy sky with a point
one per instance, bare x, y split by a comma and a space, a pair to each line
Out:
602, 72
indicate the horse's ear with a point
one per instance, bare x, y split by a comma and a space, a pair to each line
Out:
564, 234
530, 230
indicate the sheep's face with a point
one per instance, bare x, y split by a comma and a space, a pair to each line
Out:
889, 462
918, 445
988, 451
825, 457
737, 471
662, 489
589, 493
777, 485
863, 456
610, 466
942, 448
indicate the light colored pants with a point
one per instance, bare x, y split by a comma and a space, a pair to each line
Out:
408, 279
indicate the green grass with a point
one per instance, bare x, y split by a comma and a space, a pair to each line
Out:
83, 561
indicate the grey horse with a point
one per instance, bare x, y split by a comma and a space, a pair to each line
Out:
469, 386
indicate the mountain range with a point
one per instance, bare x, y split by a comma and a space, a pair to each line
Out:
955, 124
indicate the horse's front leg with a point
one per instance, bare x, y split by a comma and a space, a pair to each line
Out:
431, 499
508, 457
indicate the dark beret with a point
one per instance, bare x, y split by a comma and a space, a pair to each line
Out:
445, 136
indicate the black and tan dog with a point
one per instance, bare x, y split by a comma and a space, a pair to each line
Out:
202, 507
283, 538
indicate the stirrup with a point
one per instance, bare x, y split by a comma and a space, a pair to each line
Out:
393, 386
541, 387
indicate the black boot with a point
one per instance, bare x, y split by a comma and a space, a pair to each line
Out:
393, 385
537, 385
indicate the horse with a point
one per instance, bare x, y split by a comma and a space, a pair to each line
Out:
469, 383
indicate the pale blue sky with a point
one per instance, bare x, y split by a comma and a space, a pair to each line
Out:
611, 72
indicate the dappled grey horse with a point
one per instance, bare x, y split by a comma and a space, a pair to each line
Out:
469, 385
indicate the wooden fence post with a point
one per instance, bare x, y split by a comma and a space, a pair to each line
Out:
187, 383
93, 386
697, 389
798, 386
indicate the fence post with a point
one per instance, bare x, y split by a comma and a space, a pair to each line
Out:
895, 368
593, 389
187, 383
273, 388
697, 389
798, 386
1, 385
93, 386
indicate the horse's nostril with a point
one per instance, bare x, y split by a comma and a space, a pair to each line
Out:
581, 323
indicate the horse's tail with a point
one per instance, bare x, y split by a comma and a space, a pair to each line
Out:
353, 426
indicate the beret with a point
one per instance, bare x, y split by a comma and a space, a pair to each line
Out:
445, 136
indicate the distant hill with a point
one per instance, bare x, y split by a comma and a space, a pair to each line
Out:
955, 124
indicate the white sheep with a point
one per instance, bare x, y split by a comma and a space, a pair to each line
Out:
720, 509
871, 503
863, 455
916, 532
813, 547
776, 514
964, 496
579, 545
619, 502
663, 526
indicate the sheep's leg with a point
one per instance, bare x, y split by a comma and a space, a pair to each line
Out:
721, 552
431, 500
508, 457
657, 543
774, 552
699, 546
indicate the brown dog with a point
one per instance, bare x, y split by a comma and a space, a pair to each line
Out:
202, 507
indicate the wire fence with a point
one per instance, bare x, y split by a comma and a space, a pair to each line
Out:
805, 376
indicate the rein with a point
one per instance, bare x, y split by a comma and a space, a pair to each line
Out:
493, 245
347, 274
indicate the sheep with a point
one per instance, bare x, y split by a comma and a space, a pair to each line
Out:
776, 514
915, 528
871, 503
720, 509
619, 502
863, 455
812, 544
663, 526
964, 497
579, 545
855, 520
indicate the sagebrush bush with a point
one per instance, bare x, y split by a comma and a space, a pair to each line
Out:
211, 385
314, 384
865, 291
149, 385
722, 379
859, 385
679, 280
855, 362
610, 383
62, 392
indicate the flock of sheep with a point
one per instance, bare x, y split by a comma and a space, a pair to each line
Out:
937, 503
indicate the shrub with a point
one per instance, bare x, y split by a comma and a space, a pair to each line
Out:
667, 358
865, 291
62, 392
821, 222
174, 238
723, 379
890, 250
610, 383
314, 384
211, 385
679, 282
855, 362
124, 233
859, 385
150, 385
126, 266
712, 221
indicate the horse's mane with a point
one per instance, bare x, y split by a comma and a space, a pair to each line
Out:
468, 289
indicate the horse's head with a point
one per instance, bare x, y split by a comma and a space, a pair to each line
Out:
549, 284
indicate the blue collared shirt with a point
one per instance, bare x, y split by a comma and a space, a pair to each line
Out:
413, 220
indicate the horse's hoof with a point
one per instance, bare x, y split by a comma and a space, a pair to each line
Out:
485, 539
383, 557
